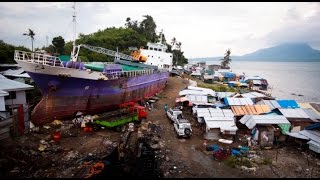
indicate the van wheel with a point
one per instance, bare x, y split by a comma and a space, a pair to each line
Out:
187, 132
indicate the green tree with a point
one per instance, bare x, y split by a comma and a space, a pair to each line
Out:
7, 52
50, 49
58, 43
226, 59
148, 28
31, 34
178, 57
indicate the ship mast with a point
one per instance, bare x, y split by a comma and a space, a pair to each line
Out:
161, 36
73, 54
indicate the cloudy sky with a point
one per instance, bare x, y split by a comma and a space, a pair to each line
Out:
205, 29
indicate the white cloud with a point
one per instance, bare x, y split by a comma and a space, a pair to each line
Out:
204, 28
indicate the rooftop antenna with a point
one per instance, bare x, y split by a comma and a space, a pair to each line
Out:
47, 40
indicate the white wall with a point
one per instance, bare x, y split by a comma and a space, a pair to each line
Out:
153, 58
20, 98
2, 104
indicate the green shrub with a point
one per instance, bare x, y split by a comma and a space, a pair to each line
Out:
267, 161
232, 161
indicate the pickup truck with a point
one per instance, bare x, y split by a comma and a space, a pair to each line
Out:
174, 114
183, 128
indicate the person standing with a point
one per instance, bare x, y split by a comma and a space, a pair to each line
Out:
166, 107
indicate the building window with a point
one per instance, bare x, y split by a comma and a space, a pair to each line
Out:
156, 49
160, 49
12, 95
151, 48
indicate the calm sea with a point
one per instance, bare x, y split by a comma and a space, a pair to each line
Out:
288, 79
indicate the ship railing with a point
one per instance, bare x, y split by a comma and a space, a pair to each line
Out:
38, 58
136, 73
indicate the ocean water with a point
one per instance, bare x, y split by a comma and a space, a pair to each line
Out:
285, 78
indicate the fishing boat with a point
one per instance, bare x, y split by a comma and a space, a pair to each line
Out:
96, 87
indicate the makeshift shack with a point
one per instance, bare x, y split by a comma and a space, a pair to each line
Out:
264, 130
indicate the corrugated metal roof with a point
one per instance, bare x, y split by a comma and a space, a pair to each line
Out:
204, 109
212, 112
221, 95
197, 98
297, 135
23, 75
238, 101
195, 92
223, 125
288, 103
311, 134
253, 95
219, 118
250, 109
207, 90
308, 106
273, 104
256, 82
313, 143
251, 120
3, 93
293, 113
10, 85
203, 114
253, 78
13, 72
181, 99
312, 114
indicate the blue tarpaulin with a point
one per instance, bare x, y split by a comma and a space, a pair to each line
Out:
229, 75
288, 103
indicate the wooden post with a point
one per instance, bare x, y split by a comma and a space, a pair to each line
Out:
277, 149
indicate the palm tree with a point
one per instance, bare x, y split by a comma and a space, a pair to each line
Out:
178, 45
31, 34
173, 41
226, 59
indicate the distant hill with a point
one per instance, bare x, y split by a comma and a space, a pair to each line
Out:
283, 52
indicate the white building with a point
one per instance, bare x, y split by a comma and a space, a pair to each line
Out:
12, 94
157, 55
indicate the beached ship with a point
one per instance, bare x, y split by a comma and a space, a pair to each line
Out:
73, 86
157, 55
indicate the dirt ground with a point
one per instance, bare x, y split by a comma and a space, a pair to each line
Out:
179, 157
188, 157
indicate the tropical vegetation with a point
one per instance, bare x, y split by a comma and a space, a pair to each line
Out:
226, 59
133, 34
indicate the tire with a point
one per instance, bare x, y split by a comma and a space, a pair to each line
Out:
187, 132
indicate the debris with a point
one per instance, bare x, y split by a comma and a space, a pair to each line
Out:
46, 127
225, 141
42, 147
252, 169
71, 155
42, 141
57, 122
